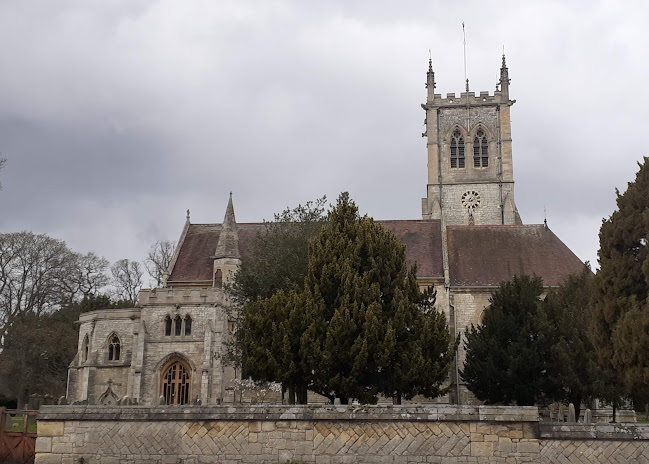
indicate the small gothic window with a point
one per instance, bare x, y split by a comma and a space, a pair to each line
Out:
218, 278
480, 150
167, 326
188, 325
457, 150
85, 349
178, 326
113, 348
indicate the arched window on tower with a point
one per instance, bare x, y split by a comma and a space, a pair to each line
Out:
457, 150
480, 150
113, 348
168, 326
178, 326
188, 325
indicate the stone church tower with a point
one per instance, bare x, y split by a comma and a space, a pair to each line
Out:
470, 173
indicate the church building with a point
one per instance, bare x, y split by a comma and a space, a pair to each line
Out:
470, 239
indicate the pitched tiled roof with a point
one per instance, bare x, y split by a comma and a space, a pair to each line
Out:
195, 257
423, 240
478, 255
195, 262
489, 255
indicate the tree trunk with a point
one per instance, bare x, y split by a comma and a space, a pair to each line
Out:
302, 394
291, 394
396, 399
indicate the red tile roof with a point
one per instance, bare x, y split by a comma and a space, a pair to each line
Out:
489, 255
478, 255
195, 258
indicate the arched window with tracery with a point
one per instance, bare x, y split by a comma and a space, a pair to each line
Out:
175, 384
188, 325
85, 348
480, 150
113, 348
168, 326
457, 150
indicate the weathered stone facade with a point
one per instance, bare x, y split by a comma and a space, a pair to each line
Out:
327, 435
146, 349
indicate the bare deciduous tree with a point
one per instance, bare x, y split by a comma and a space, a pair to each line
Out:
158, 259
92, 274
36, 276
127, 279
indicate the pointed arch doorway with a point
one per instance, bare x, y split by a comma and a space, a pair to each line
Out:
175, 383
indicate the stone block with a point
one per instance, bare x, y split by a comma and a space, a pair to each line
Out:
482, 449
62, 448
504, 445
47, 458
268, 426
44, 445
528, 447
50, 429
254, 426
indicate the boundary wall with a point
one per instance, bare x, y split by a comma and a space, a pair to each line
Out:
328, 434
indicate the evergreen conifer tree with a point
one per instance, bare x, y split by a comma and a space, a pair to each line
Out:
506, 362
371, 329
620, 317
359, 327
562, 324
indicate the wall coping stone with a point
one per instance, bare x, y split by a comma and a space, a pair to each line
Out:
617, 431
284, 412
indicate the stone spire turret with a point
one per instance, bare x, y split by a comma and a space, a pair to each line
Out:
226, 256
228, 245
504, 79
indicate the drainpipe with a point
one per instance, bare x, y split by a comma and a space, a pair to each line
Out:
457, 355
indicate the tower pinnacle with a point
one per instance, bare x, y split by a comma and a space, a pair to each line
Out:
504, 79
430, 80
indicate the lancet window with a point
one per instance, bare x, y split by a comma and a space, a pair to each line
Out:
85, 348
178, 326
480, 150
457, 150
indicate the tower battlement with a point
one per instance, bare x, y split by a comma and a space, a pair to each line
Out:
470, 98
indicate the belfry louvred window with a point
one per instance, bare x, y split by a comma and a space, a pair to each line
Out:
480, 150
457, 150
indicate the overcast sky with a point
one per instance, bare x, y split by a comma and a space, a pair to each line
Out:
118, 116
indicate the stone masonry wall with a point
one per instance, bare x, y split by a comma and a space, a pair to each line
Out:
324, 435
